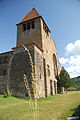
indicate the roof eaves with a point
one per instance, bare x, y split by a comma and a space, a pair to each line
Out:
34, 19
28, 20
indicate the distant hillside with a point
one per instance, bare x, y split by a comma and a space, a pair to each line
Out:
76, 77
76, 82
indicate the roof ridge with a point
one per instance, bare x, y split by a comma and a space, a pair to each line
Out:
31, 14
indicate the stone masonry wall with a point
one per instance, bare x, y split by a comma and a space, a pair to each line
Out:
20, 65
49, 48
28, 36
4, 59
39, 72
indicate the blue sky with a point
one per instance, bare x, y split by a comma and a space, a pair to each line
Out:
61, 16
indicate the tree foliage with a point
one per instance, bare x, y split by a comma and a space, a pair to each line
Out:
64, 79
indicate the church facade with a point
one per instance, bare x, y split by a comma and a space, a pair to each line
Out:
33, 32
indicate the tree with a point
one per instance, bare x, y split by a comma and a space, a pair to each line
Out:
64, 79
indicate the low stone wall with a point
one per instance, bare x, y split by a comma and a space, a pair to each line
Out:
3, 84
4, 59
20, 65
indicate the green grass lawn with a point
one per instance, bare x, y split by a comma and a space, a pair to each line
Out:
56, 107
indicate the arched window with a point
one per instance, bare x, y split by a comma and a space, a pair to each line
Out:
48, 70
55, 65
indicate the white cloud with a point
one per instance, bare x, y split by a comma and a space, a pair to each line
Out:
72, 60
63, 60
69, 48
73, 70
72, 65
73, 48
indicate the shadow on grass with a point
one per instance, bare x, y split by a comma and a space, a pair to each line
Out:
76, 111
16, 97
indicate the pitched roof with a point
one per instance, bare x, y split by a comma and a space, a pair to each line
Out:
31, 15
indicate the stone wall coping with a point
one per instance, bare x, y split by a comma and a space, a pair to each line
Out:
29, 44
5, 53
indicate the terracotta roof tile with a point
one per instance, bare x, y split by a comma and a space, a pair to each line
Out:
31, 15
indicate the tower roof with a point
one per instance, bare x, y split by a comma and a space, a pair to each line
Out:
31, 15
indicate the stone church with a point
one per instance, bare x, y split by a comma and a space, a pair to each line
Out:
33, 32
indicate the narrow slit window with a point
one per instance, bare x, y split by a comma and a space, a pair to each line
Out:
40, 76
5, 72
44, 26
24, 27
26, 94
47, 33
33, 24
28, 26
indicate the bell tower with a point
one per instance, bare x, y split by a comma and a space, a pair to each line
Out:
29, 29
